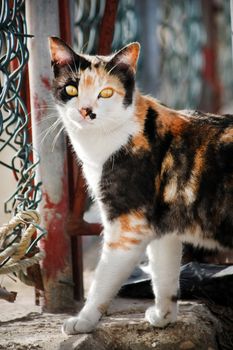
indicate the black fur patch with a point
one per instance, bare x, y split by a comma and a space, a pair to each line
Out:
150, 123
59, 90
83, 63
126, 75
174, 298
127, 183
66, 75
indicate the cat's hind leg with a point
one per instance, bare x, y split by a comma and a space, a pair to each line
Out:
121, 252
164, 260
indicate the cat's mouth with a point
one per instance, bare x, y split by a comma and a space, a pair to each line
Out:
81, 122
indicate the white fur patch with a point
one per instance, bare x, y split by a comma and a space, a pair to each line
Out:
95, 141
196, 238
170, 191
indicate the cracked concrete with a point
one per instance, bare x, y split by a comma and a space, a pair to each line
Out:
24, 327
123, 328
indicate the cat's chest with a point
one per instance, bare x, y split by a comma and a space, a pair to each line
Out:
93, 177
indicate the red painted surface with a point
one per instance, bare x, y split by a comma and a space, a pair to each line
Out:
210, 75
46, 82
56, 244
40, 106
64, 18
209, 66
107, 27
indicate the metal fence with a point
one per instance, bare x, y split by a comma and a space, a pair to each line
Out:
18, 238
14, 118
87, 17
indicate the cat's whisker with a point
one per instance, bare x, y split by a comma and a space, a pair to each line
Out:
58, 119
56, 137
102, 125
40, 122
83, 47
39, 109
110, 70
79, 63
72, 71
49, 130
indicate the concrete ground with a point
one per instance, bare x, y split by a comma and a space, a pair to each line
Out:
23, 326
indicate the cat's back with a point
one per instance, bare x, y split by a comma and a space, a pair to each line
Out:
207, 120
187, 135
194, 177
214, 135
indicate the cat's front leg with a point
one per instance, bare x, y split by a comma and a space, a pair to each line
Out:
164, 260
121, 252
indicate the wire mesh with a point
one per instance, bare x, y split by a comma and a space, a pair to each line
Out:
15, 143
126, 26
14, 118
87, 18
182, 37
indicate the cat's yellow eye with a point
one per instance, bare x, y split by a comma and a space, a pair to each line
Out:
106, 93
71, 90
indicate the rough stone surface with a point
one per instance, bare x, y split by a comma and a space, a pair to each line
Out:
124, 328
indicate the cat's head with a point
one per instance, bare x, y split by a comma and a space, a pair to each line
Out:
93, 91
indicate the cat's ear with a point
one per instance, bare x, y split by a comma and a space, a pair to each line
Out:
60, 52
128, 55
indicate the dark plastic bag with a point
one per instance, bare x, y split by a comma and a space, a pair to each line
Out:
197, 281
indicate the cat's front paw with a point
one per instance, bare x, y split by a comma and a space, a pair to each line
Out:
160, 319
78, 324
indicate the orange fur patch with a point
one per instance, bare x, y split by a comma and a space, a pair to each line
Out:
124, 243
133, 224
138, 214
88, 81
133, 54
125, 223
141, 109
170, 191
97, 79
127, 226
167, 163
168, 120
157, 183
227, 136
140, 142
192, 185
199, 159
171, 122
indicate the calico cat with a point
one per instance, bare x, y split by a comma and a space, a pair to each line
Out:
161, 177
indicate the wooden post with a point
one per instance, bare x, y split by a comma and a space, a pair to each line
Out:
211, 94
232, 27
75, 178
107, 27
43, 21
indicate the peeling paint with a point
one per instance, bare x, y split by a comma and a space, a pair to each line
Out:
40, 107
46, 82
56, 244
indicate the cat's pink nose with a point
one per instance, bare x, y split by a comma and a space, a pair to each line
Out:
85, 112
